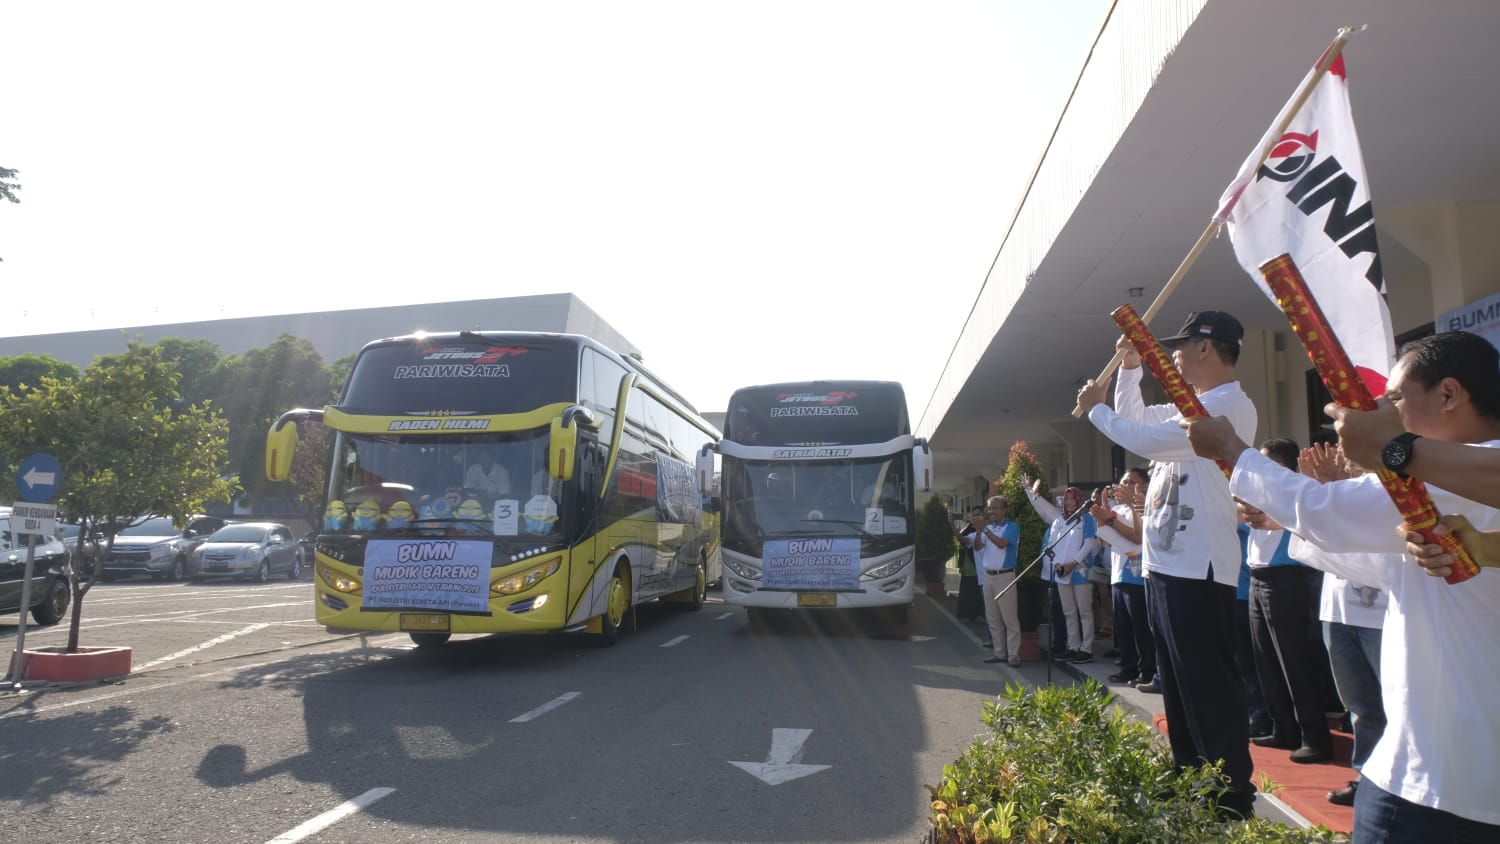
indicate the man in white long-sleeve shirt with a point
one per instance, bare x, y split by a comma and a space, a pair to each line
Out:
1190, 547
1431, 776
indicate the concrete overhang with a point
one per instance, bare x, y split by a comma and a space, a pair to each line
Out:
1170, 101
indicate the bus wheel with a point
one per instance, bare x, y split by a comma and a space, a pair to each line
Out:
430, 640
697, 593
616, 608
700, 588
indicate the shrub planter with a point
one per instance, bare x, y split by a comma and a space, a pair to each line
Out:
1066, 764
1031, 598
87, 664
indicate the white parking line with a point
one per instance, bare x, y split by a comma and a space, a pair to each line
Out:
332, 816
180, 615
544, 708
724, 616
217, 640
216, 674
677, 641
38, 710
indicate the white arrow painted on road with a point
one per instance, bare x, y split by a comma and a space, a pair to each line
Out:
781, 763
923, 638
33, 477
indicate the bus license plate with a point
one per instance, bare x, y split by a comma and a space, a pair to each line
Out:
424, 621
817, 599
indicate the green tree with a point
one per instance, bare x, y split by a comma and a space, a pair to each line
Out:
26, 371
258, 387
338, 373
309, 476
1022, 468
199, 364
8, 187
126, 448
935, 540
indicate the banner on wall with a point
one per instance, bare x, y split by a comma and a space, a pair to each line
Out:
1482, 318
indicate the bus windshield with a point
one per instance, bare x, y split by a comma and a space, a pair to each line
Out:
870, 498
483, 485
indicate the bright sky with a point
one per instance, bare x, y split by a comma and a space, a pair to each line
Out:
749, 192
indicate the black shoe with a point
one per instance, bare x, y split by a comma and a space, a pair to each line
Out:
1150, 688
1062, 656
1274, 742
1345, 795
986, 643
1235, 807
1111, 653
1306, 755
1080, 657
995, 659
1121, 678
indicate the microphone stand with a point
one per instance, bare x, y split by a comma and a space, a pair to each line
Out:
1071, 522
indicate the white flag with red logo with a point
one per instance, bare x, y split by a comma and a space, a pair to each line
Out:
1311, 200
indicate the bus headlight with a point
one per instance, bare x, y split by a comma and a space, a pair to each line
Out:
746, 571
526, 579
888, 569
338, 582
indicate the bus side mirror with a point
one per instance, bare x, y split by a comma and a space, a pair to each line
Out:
562, 446
281, 444
921, 465
705, 467
281, 441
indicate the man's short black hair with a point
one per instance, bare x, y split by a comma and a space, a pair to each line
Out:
1283, 451
1228, 352
1139, 472
1466, 358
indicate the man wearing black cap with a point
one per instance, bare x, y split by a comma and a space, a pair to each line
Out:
1190, 548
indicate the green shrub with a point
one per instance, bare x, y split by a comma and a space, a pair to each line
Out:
935, 540
1022, 464
1066, 765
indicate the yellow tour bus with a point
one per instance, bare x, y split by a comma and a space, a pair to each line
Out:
504, 482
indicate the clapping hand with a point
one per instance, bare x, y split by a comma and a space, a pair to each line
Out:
1322, 462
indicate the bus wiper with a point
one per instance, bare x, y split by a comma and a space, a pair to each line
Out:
859, 526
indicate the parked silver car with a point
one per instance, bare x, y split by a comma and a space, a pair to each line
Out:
248, 549
156, 547
68, 533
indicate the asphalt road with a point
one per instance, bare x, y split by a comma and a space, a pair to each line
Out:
245, 722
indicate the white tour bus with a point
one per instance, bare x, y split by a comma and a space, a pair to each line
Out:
816, 481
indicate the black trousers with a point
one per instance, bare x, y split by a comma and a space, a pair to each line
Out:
1244, 661
1290, 658
1057, 621
970, 599
1133, 631
1201, 690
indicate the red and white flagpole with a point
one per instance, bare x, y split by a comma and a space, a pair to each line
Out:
1288, 114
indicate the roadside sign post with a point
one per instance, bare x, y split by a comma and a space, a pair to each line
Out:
18, 661
37, 480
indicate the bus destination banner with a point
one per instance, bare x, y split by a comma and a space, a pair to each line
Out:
677, 497
430, 574
822, 563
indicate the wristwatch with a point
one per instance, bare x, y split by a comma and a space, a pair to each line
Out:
1398, 452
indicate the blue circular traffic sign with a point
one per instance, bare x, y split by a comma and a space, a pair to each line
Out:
39, 477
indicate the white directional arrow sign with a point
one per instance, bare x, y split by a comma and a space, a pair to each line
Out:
34, 477
782, 763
